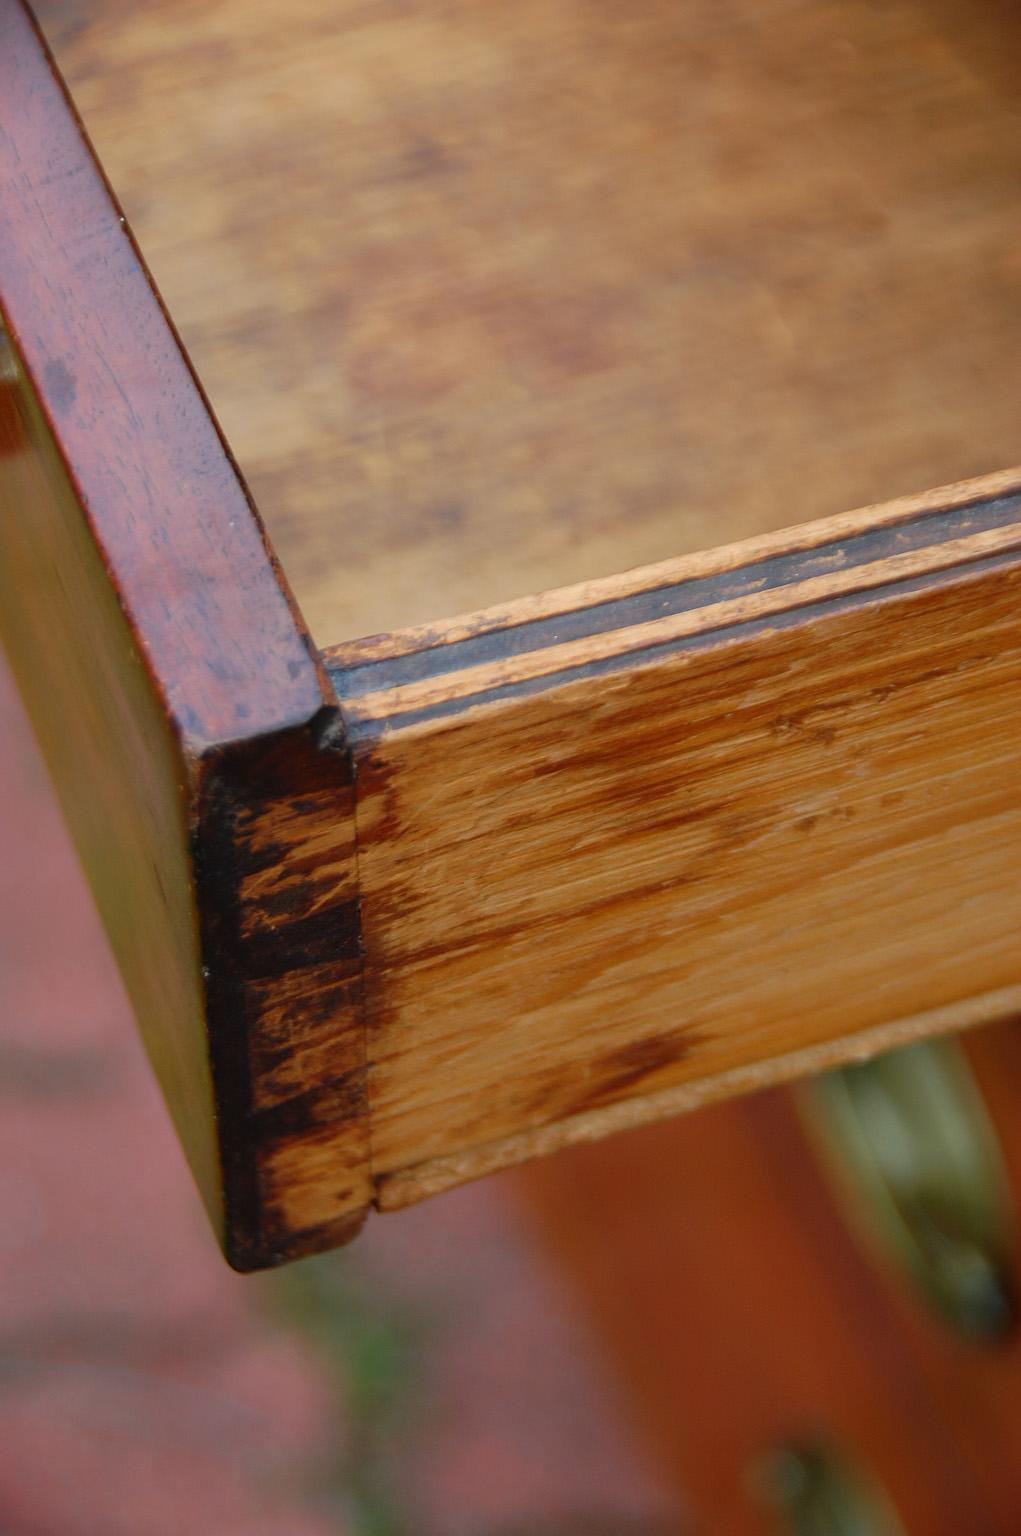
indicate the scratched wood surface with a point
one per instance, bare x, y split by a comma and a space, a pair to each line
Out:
495, 297
657, 845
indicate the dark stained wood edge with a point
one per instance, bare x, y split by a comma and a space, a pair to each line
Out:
281, 937
512, 660
254, 738
935, 526
714, 563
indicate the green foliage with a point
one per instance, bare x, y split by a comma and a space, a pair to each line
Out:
369, 1345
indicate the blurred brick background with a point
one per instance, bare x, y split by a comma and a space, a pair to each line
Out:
435, 1379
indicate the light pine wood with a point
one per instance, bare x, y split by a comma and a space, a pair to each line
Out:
407, 1186
494, 297
758, 818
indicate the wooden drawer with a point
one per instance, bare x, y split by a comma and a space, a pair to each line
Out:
492, 298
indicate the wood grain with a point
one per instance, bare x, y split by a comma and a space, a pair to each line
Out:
655, 847
409, 1185
184, 713
492, 297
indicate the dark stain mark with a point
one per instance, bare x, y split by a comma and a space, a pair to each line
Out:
303, 806
267, 1060
619, 1073
291, 900
282, 1243
301, 1019
426, 157
269, 855
59, 388
326, 1105
327, 937
244, 788
445, 515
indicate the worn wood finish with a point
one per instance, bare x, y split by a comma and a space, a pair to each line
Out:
622, 851
682, 1238
496, 295
589, 857
186, 719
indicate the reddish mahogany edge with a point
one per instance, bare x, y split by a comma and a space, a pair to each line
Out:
182, 542
158, 513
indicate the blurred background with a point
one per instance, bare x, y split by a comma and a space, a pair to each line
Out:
435, 1379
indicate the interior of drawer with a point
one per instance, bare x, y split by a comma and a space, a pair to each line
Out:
496, 295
